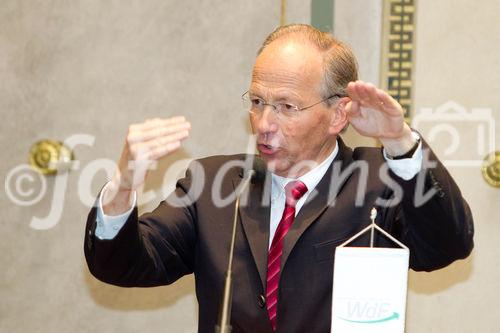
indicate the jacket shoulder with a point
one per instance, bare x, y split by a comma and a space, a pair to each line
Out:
221, 159
370, 154
227, 164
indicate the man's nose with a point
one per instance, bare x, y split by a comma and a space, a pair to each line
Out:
267, 120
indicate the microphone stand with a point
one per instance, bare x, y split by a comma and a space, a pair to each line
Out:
224, 325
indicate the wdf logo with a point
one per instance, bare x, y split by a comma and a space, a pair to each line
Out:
368, 312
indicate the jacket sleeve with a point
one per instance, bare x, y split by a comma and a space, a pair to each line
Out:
154, 249
432, 219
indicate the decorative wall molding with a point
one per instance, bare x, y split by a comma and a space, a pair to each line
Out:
398, 46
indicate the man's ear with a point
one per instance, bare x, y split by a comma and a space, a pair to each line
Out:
339, 120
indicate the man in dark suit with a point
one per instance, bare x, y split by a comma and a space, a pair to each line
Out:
311, 193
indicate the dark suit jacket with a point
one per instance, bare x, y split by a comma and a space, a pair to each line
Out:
160, 247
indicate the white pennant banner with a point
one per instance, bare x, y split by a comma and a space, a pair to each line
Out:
369, 290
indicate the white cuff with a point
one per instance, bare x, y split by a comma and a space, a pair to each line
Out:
108, 226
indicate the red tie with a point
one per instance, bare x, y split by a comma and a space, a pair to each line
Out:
293, 192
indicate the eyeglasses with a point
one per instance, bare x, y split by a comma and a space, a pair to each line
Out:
256, 106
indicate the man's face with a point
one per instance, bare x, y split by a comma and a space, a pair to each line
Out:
291, 72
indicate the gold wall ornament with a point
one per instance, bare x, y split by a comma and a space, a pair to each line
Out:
49, 157
491, 168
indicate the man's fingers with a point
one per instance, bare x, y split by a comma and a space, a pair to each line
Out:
143, 150
387, 103
160, 151
166, 139
372, 95
353, 109
160, 130
352, 91
363, 93
368, 95
157, 122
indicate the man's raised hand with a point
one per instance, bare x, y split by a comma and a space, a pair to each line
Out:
145, 144
374, 113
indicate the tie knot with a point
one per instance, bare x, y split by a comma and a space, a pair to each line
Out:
295, 190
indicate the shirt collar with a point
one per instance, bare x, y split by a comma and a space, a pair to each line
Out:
311, 178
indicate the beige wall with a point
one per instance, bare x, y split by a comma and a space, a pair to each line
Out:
95, 66
457, 59
358, 23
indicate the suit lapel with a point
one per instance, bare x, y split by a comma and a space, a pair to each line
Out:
255, 214
322, 197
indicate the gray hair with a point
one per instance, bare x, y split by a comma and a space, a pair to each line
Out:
340, 66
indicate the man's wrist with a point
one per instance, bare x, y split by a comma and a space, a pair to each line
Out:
401, 147
409, 153
116, 200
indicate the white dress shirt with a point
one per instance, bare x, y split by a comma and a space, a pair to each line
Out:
109, 226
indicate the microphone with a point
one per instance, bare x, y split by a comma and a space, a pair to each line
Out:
259, 170
223, 325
